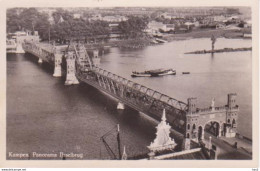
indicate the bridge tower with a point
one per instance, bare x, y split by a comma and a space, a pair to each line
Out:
83, 60
231, 116
96, 59
71, 69
57, 63
192, 119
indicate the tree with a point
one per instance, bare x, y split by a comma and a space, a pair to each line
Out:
31, 19
42, 25
13, 21
79, 29
27, 19
134, 27
66, 15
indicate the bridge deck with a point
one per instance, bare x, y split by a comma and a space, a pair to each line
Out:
137, 96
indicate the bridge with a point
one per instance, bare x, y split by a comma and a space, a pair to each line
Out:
185, 118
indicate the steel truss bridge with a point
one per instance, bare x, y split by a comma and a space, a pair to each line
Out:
137, 96
185, 118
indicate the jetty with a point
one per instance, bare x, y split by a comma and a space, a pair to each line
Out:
220, 50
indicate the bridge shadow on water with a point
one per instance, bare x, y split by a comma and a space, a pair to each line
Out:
137, 122
48, 68
129, 117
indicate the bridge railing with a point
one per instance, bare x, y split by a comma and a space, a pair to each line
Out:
143, 89
216, 109
137, 96
43, 51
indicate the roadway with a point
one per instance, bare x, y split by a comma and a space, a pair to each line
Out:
226, 151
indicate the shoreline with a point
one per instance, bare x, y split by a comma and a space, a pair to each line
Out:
151, 41
207, 33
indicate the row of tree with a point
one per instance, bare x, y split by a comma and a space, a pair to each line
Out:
27, 19
64, 26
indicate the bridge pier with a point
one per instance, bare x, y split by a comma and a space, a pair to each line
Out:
40, 60
70, 76
120, 106
19, 48
57, 66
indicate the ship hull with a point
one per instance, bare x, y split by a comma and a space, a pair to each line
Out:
153, 74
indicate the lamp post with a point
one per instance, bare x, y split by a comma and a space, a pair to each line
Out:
213, 41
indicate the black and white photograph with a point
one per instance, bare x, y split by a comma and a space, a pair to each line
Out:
132, 83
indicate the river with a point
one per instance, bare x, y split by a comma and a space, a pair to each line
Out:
44, 116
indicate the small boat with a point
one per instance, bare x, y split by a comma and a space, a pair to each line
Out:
185, 72
154, 73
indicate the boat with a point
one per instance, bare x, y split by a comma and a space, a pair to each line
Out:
154, 73
185, 72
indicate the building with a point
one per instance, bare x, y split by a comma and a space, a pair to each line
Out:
164, 147
248, 24
168, 28
220, 25
154, 27
167, 16
96, 17
219, 18
61, 19
109, 19
189, 25
116, 18
76, 16
51, 20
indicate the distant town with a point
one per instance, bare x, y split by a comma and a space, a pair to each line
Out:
95, 25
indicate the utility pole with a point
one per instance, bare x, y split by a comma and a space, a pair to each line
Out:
49, 34
118, 141
33, 26
213, 41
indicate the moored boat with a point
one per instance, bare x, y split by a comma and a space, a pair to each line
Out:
185, 72
154, 73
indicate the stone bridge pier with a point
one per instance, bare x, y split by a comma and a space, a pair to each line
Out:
219, 121
71, 69
57, 64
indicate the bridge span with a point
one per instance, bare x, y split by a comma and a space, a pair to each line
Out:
185, 118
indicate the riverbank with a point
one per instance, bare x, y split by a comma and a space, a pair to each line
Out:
149, 41
204, 34
200, 33
134, 43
